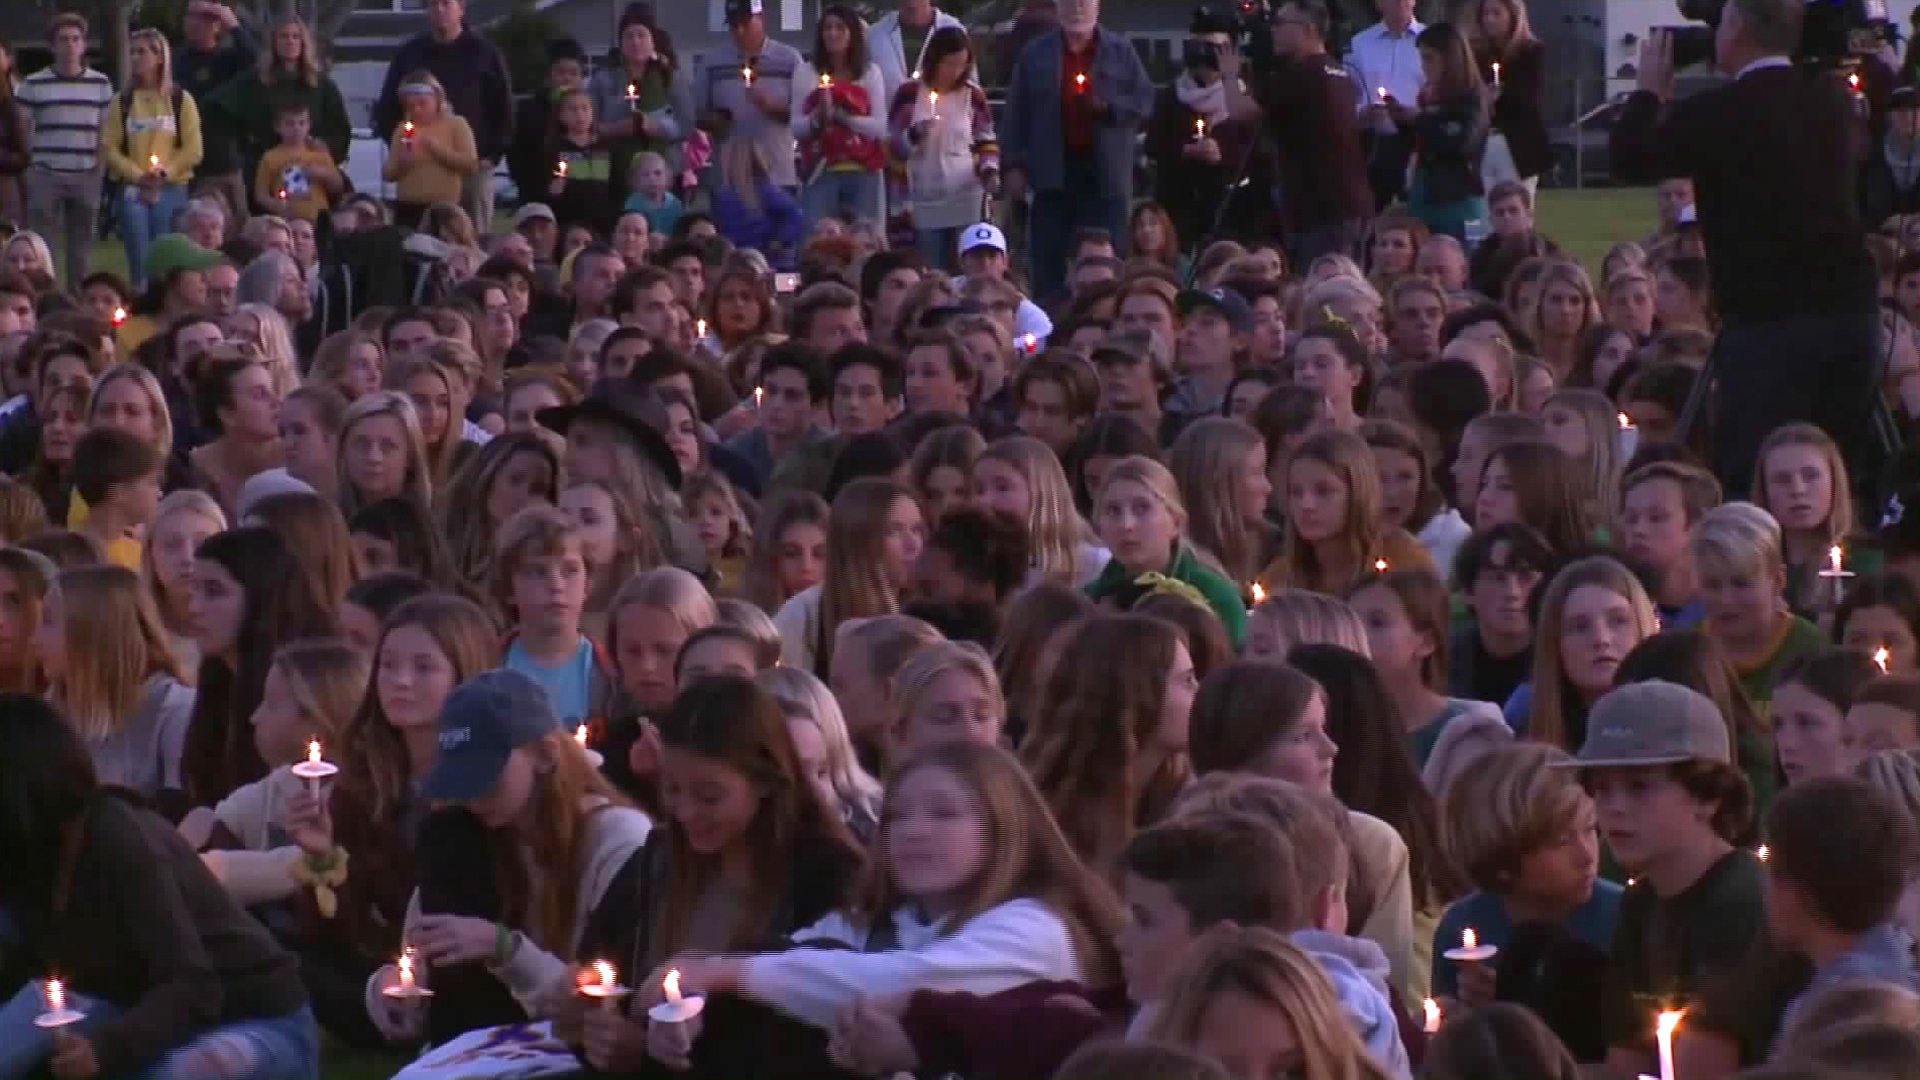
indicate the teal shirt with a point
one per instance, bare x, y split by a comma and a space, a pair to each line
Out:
1119, 584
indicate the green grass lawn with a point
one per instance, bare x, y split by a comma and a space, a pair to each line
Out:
1586, 223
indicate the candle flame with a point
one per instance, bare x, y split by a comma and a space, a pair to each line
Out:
1853, 80
826, 82
605, 973
1626, 422
1080, 80
560, 167
1432, 1009
746, 74
759, 392
313, 752
1200, 127
406, 968
119, 315
916, 74
1031, 342
580, 734
1882, 656
1836, 556
632, 90
407, 128
1669, 1020
1762, 853
153, 160
700, 327
1259, 594
1383, 93
1379, 566
56, 995
283, 195
671, 984
1469, 939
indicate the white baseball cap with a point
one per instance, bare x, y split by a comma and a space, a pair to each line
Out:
985, 234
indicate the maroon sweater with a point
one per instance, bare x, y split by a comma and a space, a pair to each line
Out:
1017, 1034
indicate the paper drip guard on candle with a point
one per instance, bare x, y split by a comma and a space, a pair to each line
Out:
407, 989
314, 769
57, 1015
1470, 951
676, 1009
1837, 573
605, 988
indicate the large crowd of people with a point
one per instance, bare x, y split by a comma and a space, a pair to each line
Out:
832, 551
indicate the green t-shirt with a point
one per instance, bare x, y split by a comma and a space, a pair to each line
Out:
913, 39
1665, 951
1800, 638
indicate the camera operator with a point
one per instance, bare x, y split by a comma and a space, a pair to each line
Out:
1311, 112
1772, 156
1199, 145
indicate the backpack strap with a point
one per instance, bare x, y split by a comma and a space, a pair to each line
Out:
126, 116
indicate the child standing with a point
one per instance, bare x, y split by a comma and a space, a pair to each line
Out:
297, 179
118, 475
432, 150
540, 580
651, 193
580, 185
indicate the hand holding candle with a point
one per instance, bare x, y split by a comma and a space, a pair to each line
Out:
1470, 950
676, 1009
1496, 74
1837, 573
604, 986
57, 1014
1664, 1026
1629, 435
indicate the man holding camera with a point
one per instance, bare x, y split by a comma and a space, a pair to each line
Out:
1199, 145
1771, 157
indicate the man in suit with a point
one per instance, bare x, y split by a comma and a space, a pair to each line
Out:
1076, 102
1795, 291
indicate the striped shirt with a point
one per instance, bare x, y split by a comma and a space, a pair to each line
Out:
66, 117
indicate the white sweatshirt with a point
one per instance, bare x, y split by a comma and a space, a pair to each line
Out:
1016, 943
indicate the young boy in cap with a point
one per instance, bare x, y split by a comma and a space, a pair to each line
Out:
1659, 764
1212, 347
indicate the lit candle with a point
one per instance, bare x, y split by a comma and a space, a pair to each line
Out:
699, 328
1469, 939
1629, 435
1761, 853
314, 769
560, 168
916, 75
1496, 73
1199, 128
1379, 566
1432, 1009
406, 133
633, 96
676, 1009
746, 74
1382, 92
933, 103
1030, 343
282, 194
1665, 1025
605, 986
1853, 82
408, 987
1882, 656
1837, 573
826, 81
580, 734
58, 1015
1837, 557
153, 162
406, 968
119, 315
1470, 950
1259, 594
759, 395
1080, 82
56, 995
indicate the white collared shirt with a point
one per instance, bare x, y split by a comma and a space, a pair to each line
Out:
1762, 64
1380, 58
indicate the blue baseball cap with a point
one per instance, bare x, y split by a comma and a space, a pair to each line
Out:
484, 720
1230, 304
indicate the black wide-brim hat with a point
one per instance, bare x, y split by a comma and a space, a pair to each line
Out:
629, 405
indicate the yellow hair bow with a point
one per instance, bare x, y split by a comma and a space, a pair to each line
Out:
1155, 582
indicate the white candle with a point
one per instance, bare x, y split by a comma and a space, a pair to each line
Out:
56, 995
605, 986
57, 1014
408, 988
560, 168
406, 969
1380, 566
314, 769
1470, 950
676, 1009
1199, 128
746, 75
933, 103
700, 328
580, 734
826, 82
1837, 557
1496, 73
1432, 1009
1667, 1022
1629, 435
1761, 853
119, 315
759, 395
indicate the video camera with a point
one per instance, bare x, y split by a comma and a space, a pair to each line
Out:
1246, 22
1834, 32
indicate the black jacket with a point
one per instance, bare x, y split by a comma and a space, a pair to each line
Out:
1881, 195
1449, 137
1309, 103
1518, 113
146, 926
1772, 141
478, 87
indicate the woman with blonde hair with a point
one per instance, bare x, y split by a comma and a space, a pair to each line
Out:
128, 397
1108, 746
1593, 614
614, 539
946, 691
825, 749
1262, 1006
1019, 476
434, 389
1221, 467
150, 142
290, 68
1290, 618
875, 532
27, 254
1584, 425
508, 474
112, 675
752, 211
1337, 531
263, 327
350, 362
1144, 522
648, 622
1564, 307
382, 453
316, 533
1801, 479
184, 519
431, 151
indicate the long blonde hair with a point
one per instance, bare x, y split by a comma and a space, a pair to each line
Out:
1362, 535
1553, 695
1158, 481
669, 590
1206, 460
741, 166
1840, 511
114, 644
1027, 857
184, 501
1055, 529
805, 697
163, 83
1603, 463
275, 343
150, 389
307, 67
854, 586
1260, 963
418, 484
328, 679
1522, 30
916, 677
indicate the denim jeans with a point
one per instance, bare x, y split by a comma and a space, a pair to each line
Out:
271, 1048
1058, 215
856, 196
142, 222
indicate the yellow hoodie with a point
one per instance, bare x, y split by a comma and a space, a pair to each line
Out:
152, 131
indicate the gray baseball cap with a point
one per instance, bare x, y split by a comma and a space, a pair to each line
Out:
1653, 723
483, 722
